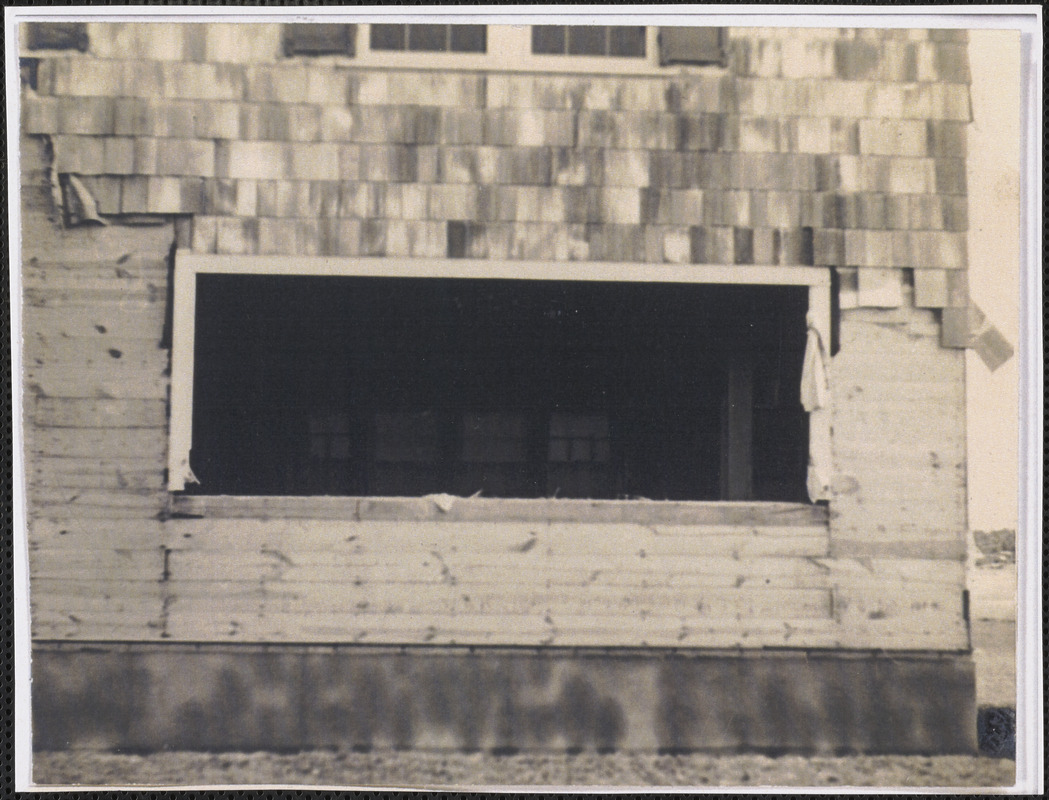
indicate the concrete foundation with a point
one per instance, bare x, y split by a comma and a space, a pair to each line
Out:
140, 698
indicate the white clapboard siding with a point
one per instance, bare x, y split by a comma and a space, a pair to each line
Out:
96, 244
489, 599
141, 297
102, 443
56, 350
510, 539
97, 564
106, 627
91, 413
918, 392
565, 631
60, 532
111, 382
898, 442
94, 323
86, 473
407, 510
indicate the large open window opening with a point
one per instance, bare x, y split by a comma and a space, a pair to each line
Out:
406, 386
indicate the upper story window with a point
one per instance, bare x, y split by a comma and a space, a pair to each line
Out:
308, 38
626, 49
589, 40
429, 38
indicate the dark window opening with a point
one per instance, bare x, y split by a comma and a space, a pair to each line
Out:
589, 40
429, 38
507, 388
57, 36
317, 38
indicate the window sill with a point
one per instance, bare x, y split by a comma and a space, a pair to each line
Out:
643, 512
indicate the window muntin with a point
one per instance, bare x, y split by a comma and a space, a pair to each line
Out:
429, 38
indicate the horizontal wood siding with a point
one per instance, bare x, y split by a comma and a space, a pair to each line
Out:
95, 413
568, 584
900, 482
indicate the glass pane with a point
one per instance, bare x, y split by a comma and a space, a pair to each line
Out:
428, 38
388, 37
406, 437
469, 38
587, 40
340, 447
626, 41
559, 450
580, 450
592, 426
548, 39
318, 446
602, 451
495, 438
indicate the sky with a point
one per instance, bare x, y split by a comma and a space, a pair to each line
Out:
994, 274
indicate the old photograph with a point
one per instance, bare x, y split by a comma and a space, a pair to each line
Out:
578, 400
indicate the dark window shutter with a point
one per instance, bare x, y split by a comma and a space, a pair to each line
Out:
315, 39
691, 45
57, 36
469, 38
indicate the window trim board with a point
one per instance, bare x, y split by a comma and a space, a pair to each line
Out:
188, 265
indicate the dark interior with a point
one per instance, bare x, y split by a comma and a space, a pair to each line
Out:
507, 388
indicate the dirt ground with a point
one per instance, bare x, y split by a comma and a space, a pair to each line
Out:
418, 769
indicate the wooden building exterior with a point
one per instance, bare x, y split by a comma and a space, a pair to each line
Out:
250, 595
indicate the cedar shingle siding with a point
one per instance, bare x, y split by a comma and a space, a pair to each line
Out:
855, 136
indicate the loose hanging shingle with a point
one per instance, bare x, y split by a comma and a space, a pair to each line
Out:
79, 204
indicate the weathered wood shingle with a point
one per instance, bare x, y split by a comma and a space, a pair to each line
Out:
857, 135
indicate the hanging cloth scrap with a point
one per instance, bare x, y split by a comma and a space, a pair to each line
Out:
815, 399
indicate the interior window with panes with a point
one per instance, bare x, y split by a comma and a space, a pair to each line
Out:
349, 385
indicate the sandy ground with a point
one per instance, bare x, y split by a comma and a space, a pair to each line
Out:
418, 769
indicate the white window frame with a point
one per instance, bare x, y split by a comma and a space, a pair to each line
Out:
189, 265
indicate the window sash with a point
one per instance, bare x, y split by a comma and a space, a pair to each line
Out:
427, 38
589, 40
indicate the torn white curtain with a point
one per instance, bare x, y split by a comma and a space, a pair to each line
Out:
815, 399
